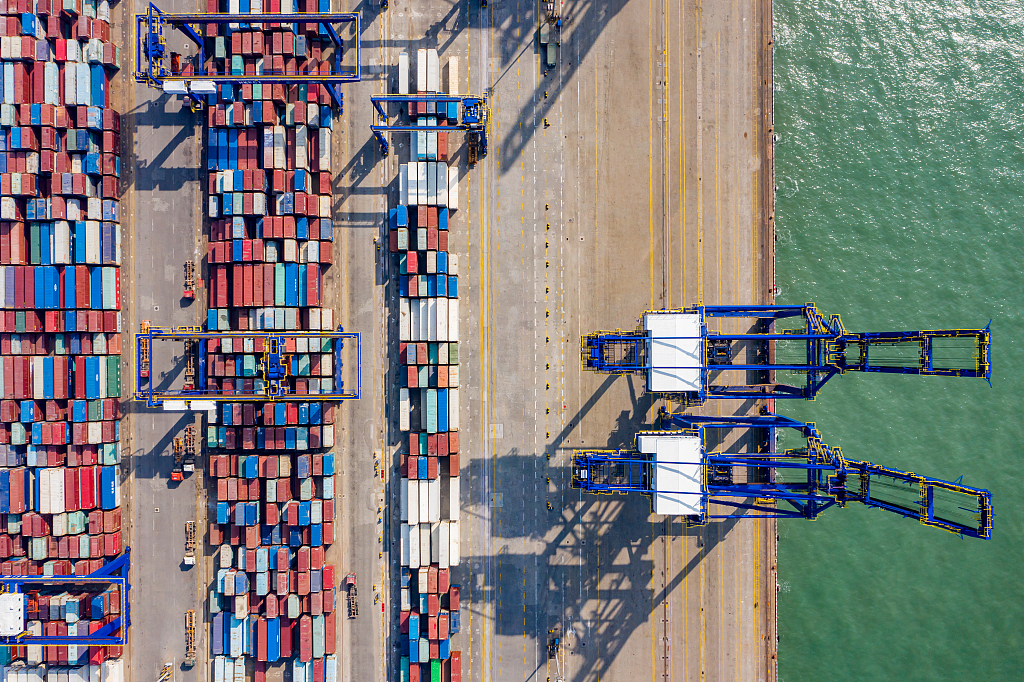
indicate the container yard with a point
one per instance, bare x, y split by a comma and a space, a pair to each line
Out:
60, 287
348, 296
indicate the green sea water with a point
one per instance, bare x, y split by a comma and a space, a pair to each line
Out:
900, 203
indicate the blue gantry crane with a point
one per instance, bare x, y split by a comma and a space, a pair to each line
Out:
790, 351
152, 57
468, 112
17, 593
684, 479
269, 377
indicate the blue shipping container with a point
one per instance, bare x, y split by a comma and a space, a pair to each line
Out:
109, 484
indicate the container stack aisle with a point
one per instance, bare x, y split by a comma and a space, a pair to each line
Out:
428, 400
272, 475
60, 300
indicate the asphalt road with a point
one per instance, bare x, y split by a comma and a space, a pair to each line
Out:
162, 202
630, 177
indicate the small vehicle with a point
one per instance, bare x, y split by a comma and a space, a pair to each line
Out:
350, 585
144, 351
176, 450
190, 280
190, 638
190, 543
553, 646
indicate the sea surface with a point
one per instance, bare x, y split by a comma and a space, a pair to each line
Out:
900, 203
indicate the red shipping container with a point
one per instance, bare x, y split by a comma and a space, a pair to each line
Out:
453, 598
305, 629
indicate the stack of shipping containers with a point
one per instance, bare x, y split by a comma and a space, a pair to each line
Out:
428, 401
271, 230
60, 343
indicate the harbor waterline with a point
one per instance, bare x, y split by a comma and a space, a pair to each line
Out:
899, 167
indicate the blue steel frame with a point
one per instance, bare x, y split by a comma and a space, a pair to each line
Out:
826, 340
114, 573
828, 474
272, 367
474, 117
151, 46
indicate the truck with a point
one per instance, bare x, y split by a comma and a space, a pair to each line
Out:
177, 449
144, 351
350, 585
552, 53
190, 638
190, 543
190, 280
189, 463
545, 33
190, 365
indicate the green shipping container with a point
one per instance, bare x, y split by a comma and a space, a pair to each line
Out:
435, 670
248, 365
94, 410
19, 321
35, 249
403, 669
220, 48
432, 353
453, 353
113, 376
211, 436
278, 284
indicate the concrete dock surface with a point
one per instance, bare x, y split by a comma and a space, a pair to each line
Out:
634, 175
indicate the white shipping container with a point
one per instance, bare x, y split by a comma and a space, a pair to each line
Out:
453, 319
83, 80
421, 182
453, 75
403, 320
38, 375
92, 242
403, 184
434, 499
435, 543
421, 70
280, 159
453, 263
443, 545
57, 491
442, 183
433, 71
442, 319
453, 187
453, 409
413, 179
454, 550
327, 319
431, 183
403, 73
403, 501
112, 671
454, 493
301, 147
414, 546
51, 83
404, 542
432, 318
424, 544
412, 513
324, 160
424, 494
